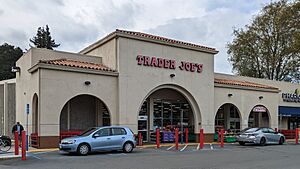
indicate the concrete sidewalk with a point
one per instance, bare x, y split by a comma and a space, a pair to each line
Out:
11, 153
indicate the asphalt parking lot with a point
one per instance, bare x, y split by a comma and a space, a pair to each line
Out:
232, 156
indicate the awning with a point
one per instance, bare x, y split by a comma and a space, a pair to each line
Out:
289, 111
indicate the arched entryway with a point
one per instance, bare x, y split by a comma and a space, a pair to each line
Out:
259, 117
228, 118
35, 114
82, 112
166, 109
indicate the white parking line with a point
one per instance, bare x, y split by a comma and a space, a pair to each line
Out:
198, 146
184, 147
117, 154
31, 155
170, 148
211, 147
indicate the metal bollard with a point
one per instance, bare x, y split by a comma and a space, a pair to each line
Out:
140, 139
176, 138
23, 145
297, 136
222, 138
186, 136
16, 143
201, 139
157, 138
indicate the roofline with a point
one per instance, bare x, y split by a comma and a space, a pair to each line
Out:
70, 69
8, 81
218, 85
121, 33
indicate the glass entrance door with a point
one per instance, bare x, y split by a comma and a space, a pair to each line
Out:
167, 114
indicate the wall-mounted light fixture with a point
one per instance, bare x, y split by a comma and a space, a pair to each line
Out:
87, 83
229, 94
172, 75
260, 97
15, 69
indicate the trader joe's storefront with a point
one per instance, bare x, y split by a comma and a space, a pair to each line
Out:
165, 109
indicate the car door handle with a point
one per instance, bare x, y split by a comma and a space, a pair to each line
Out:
108, 138
123, 137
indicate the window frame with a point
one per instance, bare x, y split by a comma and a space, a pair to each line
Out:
121, 128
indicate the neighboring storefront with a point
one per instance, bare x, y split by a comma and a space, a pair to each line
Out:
141, 81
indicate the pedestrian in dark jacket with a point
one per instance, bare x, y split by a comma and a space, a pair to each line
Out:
17, 127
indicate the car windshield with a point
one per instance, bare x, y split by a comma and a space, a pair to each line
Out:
251, 130
88, 131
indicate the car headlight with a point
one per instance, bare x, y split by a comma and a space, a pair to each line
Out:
68, 141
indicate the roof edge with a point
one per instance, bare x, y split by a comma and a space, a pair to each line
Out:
153, 39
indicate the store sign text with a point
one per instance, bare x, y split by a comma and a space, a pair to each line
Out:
168, 63
290, 97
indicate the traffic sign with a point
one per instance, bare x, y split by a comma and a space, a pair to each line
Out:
27, 108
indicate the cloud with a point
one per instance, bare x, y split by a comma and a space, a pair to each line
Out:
213, 29
76, 23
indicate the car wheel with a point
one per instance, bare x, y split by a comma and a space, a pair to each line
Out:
241, 143
281, 140
128, 147
83, 149
262, 141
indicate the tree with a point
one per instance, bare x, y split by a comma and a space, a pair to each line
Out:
270, 46
43, 39
8, 56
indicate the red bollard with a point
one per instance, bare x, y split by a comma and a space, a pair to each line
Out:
16, 143
23, 145
140, 139
186, 135
297, 136
176, 138
201, 139
276, 130
157, 138
222, 138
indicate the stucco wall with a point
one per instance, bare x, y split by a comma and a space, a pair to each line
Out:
2, 108
46, 54
68, 85
11, 107
137, 82
27, 84
285, 87
245, 101
7, 106
108, 53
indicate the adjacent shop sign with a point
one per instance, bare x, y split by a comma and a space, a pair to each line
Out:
259, 109
168, 63
290, 97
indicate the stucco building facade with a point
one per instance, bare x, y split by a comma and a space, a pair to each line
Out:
144, 82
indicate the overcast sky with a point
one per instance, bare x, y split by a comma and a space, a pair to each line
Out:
76, 23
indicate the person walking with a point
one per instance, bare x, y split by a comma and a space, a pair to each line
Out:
19, 128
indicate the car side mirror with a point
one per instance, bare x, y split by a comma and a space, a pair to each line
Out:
96, 135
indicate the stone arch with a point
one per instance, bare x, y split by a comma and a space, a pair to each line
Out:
187, 96
259, 116
91, 111
232, 117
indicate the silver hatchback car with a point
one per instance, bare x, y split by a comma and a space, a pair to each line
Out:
100, 139
260, 136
